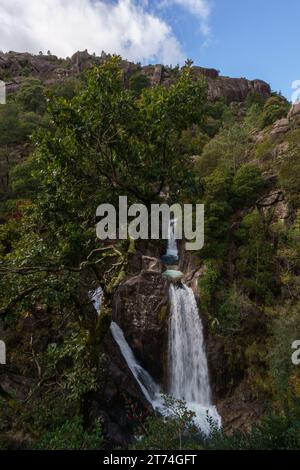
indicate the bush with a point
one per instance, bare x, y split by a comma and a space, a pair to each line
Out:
207, 284
289, 174
256, 262
247, 183
174, 432
276, 432
31, 96
138, 82
71, 436
263, 149
275, 108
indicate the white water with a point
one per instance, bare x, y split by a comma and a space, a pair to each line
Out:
172, 244
149, 388
96, 298
188, 369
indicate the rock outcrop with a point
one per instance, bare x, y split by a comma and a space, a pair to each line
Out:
14, 67
119, 398
140, 309
294, 114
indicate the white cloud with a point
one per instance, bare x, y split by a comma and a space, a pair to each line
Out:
65, 26
200, 8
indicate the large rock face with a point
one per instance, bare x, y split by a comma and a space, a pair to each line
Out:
140, 309
119, 396
14, 67
235, 89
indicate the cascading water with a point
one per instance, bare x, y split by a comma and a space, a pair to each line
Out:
188, 370
149, 388
96, 298
172, 249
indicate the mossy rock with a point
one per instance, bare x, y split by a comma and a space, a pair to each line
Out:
163, 313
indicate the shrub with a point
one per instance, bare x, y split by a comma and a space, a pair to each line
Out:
71, 436
176, 431
247, 183
31, 96
275, 108
138, 82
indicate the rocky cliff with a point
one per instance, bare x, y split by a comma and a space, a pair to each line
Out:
51, 71
14, 67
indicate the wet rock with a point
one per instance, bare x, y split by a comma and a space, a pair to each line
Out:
120, 399
140, 306
173, 276
241, 410
169, 260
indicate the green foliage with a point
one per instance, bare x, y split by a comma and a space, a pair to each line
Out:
192, 141
138, 82
207, 284
289, 174
77, 378
217, 190
24, 180
13, 128
231, 310
263, 149
68, 89
100, 139
276, 432
255, 100
256, 258
31, 96
228, 149
175, 432
71, 436
247, 183
275, 108
285, 330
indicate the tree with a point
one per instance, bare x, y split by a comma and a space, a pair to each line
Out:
276, 107
101, 144
31, 96
138, 82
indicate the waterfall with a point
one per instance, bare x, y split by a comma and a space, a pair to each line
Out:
96, 298
188, 370
187, 360
172, 244
149, 388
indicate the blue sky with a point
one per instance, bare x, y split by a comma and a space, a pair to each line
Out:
249, 38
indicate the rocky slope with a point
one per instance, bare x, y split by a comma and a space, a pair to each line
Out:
14, 67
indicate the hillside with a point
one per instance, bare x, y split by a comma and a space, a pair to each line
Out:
27, 76
154, 134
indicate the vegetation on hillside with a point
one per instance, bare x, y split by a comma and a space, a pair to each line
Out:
89, 142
